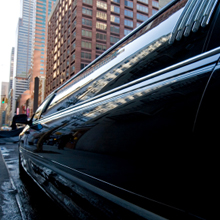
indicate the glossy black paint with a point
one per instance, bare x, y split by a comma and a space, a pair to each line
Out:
124, 138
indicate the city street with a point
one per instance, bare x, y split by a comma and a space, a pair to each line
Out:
22, 199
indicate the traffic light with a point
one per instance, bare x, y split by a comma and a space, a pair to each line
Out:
4, 100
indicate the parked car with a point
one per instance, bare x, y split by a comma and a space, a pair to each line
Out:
135, 133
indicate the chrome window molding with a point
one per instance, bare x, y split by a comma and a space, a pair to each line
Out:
195, 14
194, 66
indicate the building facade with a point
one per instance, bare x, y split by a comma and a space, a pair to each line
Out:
11, 69
162, 3
43, 9
31, 50
80, 31
23, 50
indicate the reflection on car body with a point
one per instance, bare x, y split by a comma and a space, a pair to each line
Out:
123, 137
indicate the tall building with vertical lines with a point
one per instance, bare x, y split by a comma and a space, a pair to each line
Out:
43, 9
11, 69
25, 39
23, 51
30, 53
80, 31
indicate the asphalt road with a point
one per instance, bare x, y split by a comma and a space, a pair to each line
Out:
22, 199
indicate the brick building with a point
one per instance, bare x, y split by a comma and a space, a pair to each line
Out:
80, 31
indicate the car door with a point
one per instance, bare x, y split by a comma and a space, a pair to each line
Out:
206, 135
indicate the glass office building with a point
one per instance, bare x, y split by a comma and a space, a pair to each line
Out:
23, 51
25, 39
31, 44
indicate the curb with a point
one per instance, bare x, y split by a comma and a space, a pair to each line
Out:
15, 191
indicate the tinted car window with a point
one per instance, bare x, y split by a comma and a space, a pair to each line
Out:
144, 52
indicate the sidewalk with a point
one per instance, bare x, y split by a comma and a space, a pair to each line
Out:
8, 203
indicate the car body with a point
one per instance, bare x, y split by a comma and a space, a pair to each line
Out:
130, 136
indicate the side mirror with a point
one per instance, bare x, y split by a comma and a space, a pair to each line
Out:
21, 119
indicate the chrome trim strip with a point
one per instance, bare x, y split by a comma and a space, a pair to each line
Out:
195, 14
186, 18
208, 12
175, 70
198, 18
211, 12
88, 111
186, 11
197, 10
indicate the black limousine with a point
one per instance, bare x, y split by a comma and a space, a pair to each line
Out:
134, 134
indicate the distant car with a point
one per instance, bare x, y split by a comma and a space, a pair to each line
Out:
137, 130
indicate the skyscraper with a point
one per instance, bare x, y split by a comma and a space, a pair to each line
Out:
11, 69
30, 54
42, 11
80, 31
23, 50
25, 39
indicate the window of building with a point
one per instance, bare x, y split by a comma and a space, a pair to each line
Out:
154, 11
101, 26
67, 63
87, 11
128, 23
100, 47
142, 8
142, 17
73, 56
116, 1
126, 31
115, 9
100, 36
86, 33
67, 72
155, 4
115, 19
114, 29
129, 4
83, 65
72, 69
86, 44
114, 39
86, 55
87, 22
102, 5
128, 13
89, 2
101, 15
144, 1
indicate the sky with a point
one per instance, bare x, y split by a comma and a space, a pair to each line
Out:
9, 14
